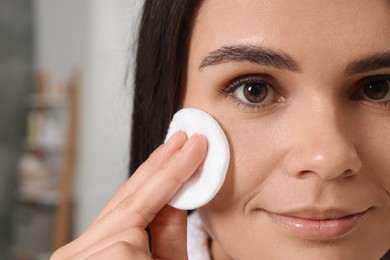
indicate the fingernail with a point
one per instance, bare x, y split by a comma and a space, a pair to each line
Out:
189, 142
172, 138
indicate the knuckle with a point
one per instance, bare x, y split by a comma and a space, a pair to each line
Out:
118, 250
146, 214
175, 170
126, 204
140, 235
148, 165
178, 179
122, 248
125, 250
56, 255
165, 167
60, 254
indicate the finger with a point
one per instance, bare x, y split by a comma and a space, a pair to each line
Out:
162, 186
137, 238
155, 161
140, 208
120, 251
169, 234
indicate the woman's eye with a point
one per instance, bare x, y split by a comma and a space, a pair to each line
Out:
252, 91
376, 90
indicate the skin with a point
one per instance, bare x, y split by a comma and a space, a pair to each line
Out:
317, 145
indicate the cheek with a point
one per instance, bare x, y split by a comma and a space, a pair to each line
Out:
376, 163
253, 159
256, 150
374, 149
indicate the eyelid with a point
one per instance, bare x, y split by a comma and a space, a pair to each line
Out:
369, 79
232, 85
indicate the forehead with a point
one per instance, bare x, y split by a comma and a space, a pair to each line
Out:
302, 28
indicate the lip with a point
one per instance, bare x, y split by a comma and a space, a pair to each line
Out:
319, 225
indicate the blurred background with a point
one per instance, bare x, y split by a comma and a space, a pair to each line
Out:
65, 108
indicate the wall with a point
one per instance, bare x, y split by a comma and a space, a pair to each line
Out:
106, 107
59, 36
94, 37
15, 86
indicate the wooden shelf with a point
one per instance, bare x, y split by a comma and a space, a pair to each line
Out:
42, 148
51, 145
52, 102
64, 211
39, 197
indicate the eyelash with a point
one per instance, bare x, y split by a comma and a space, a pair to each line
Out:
232, 86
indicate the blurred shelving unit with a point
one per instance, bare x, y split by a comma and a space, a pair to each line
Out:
42, 217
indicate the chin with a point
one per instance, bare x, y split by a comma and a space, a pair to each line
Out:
332, 251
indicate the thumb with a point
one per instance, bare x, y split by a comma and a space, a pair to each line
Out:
169, 234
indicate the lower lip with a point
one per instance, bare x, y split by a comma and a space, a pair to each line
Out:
314, 229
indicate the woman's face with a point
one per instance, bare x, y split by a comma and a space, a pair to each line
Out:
301, 89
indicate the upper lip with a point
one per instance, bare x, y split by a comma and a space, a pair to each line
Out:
321, 214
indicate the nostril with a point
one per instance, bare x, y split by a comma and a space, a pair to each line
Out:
349, 173
304, 174
326, 174
328, 164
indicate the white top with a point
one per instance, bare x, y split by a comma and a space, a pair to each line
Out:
197, 239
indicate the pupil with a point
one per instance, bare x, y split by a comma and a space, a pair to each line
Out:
376, 90
255, 92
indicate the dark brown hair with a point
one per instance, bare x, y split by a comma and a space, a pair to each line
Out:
161, 58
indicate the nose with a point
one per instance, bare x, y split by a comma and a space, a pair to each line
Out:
319, 146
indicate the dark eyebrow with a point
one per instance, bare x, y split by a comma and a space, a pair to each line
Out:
370, 63
250, 53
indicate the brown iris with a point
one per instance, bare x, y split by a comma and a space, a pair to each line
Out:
255, 92
376, 90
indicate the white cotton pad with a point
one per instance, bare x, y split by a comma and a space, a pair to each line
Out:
206, 182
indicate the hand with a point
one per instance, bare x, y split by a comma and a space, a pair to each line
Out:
118, 232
